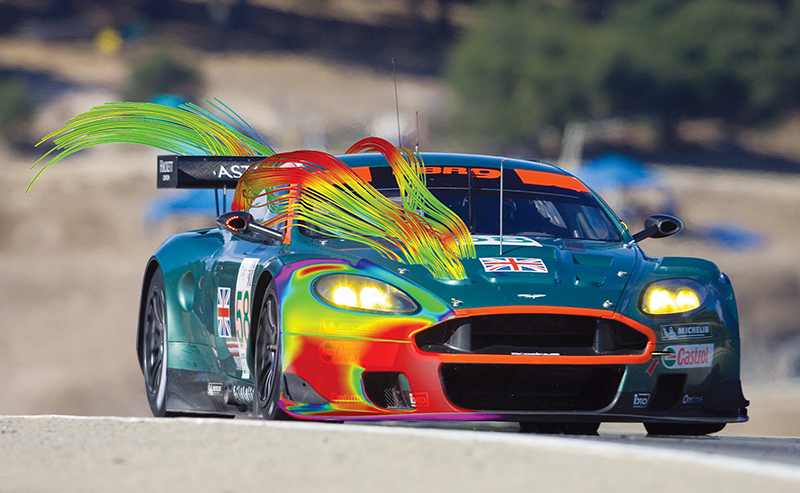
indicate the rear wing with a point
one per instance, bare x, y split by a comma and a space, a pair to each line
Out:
212, 172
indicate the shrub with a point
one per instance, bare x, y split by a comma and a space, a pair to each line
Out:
163, 71
16, 110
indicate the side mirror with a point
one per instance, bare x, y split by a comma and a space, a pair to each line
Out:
659, 226
245, 227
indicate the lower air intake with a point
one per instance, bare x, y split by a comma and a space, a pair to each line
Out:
388, 389
669, 389
487, 387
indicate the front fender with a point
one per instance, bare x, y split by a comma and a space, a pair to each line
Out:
183, 259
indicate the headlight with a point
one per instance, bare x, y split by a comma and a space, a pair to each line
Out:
363, 294
673, 296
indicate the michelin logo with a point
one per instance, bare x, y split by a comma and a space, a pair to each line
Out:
681, 332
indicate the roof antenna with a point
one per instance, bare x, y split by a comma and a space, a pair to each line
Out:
416, 147
397, 105
501, 206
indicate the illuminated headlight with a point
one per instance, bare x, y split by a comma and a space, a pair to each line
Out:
363, 294
673, 296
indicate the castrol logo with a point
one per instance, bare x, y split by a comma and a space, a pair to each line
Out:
690, 356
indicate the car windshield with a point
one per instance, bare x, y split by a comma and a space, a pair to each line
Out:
526, 213
529, 209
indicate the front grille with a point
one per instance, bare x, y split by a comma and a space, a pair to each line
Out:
531, 333
487, 387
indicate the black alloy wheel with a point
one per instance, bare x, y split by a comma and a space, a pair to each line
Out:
267, 360
154, 346
559, 428
688, 429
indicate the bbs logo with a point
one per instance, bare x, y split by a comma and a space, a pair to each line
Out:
640, 401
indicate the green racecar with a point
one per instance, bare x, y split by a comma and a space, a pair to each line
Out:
561, 323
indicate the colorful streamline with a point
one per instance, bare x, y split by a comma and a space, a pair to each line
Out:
188, 130
307, 186
383, 284
317, 189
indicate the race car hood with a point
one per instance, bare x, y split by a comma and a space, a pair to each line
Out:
544, 272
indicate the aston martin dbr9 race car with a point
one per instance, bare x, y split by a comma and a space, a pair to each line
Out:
548, 313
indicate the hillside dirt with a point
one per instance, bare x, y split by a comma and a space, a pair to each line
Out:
73, 250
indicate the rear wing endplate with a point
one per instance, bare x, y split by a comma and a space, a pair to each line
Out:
214, 172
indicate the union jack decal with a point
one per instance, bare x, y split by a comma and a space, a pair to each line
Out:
509, 264
224, 312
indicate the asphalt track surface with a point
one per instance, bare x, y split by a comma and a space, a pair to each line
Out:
70, 454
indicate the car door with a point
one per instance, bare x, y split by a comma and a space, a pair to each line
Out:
236, 266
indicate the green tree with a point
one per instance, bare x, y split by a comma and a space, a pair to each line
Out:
163, 71
524, 65
704, 58
16, 110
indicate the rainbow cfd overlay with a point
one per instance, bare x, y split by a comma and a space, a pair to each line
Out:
398, 304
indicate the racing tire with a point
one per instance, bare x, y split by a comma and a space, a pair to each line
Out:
267, 358
558, 428
154, 346
689, 429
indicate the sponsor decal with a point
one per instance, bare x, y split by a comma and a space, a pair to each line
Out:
480, 240
535, 354
326, 352
357, 353
640, 401
487, 173
244, 284
681, 332
531, 296
224, 312
344, 397
419, 399
237, 352
165, 169
689, 356
509, 264
692, 399
332, 326
340, 352
214, 389
652, 367
243, 394
232, 171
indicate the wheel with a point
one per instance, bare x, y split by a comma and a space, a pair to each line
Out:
559, 428
154, 346
691, 429
267, 358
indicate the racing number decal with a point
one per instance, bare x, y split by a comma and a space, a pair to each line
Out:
243, 313
244, 284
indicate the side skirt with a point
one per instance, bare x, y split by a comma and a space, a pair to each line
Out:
207, 393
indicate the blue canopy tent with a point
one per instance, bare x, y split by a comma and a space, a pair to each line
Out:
612, 172
183, 203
